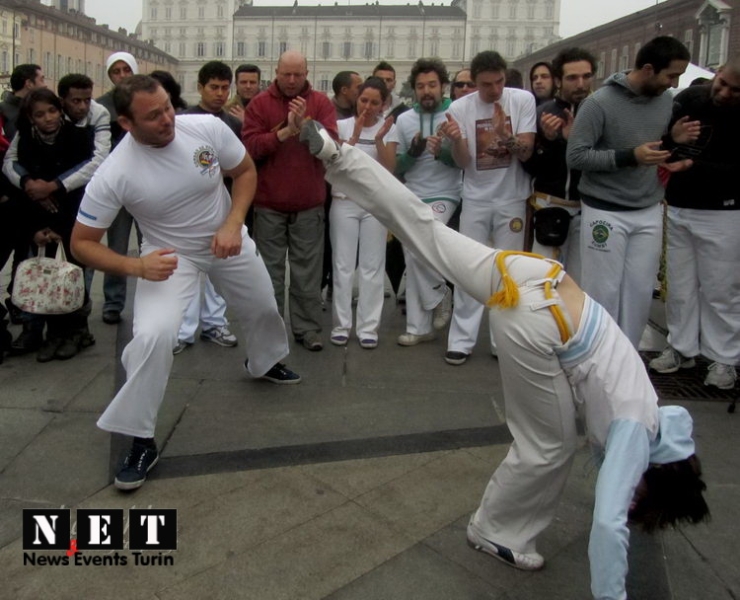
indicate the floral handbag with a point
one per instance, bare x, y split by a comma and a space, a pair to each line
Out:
49, 286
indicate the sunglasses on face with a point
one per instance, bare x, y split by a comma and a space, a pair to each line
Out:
462, 84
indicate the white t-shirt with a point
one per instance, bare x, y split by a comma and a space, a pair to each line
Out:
175, 193
428, 178
494, 174
366, 142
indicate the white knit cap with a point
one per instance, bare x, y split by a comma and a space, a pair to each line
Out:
125, 57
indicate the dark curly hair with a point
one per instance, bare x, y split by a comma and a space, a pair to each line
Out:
427, 65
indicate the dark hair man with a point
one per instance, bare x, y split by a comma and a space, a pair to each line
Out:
214, 83
555, 185
703, 245
492, 134
615, 142
169, 172
394, 106
428, 169
291, 191
462, 84
247, 79
541, 82
346, 85
23, 80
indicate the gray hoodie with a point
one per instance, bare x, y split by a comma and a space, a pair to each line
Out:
610, 124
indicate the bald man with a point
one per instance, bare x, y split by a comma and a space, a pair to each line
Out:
289, 217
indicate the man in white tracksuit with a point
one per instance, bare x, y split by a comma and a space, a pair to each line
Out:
559, 352
615, 142
492, 133
169, 174
429, 171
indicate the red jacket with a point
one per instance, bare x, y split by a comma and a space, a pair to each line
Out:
289, 178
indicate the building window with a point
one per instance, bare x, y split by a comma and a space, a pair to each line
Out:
638, 45
220, 11
200, 49
530, 10
324, 85
624, 59
153, 32
183, 13
495, 11
456, 50
613, 61
168, 47
241, 49
168, 13
476, 9
282, 47
347, 50
688, 40
183, 32
153, 13
201, 12
510, 48
549, 9
218, 49
602, 65
412, 48
512, 11
434, 48
325, 50
391, 48
368, 50
262, 49
181, 49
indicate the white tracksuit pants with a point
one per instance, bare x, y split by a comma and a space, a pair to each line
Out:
620, 253
503, 221
158, 309
357, 238
207, 309
523, 493
425, 287
703, 273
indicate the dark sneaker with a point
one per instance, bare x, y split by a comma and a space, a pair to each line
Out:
69, 347
453, 357
27, 341
48, 349
279, 374
138, 462
111, 317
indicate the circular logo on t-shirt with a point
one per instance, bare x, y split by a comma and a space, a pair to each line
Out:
516, 225
205, 158
439, 207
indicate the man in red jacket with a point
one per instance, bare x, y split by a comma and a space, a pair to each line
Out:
289, 203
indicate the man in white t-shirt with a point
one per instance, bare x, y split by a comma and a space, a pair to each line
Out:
493, 132
168, 174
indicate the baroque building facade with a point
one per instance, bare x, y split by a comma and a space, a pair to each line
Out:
66, 41
710, 29
336, 37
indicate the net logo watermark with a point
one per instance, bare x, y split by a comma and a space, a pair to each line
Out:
52, 529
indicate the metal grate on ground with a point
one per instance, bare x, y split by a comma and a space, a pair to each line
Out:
688, 384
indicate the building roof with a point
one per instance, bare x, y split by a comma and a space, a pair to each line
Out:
339, 11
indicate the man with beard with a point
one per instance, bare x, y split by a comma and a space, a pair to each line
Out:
429, 171
616, 143
703, 246
554, 183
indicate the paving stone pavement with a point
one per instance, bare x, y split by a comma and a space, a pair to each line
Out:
356, 484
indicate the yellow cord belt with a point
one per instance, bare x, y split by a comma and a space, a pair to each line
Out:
508, 295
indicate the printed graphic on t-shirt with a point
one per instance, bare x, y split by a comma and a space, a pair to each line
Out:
490, 137
206, 160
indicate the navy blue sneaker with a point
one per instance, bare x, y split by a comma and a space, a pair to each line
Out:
279, 374
138, 462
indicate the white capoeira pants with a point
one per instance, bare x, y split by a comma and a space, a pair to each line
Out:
703, 273
502, 221
523, 493
620, 253
425, 287
158, 310
352, 229
207, 309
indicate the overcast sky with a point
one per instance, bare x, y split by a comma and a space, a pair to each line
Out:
575, 16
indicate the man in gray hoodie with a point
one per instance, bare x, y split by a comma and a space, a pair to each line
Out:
616, 143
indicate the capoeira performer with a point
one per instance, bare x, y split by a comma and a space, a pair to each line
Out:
168, 173
559, 352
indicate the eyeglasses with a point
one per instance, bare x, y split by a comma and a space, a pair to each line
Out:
462, 84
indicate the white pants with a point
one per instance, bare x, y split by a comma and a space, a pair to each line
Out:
620, 253
523, 493
158, 310
425, 287
703, 272
354, 230
502, 221
207, 309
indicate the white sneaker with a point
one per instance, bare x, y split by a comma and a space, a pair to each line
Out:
219, 335
411, 339
443, 311
721, 376
525, 562
670, 361
318, 140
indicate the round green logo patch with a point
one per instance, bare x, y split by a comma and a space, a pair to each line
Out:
600, 233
